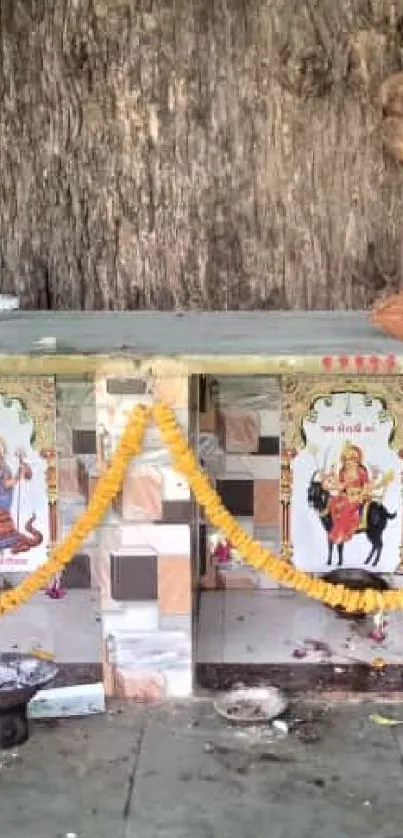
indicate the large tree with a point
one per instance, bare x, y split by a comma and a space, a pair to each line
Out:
203, 153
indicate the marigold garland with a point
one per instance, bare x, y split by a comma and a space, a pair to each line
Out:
185, 461
368, 601
106, 489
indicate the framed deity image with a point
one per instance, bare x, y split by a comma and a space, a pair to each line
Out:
341, 487
27, 472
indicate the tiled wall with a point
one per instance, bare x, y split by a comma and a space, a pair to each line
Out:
129, 599
239, 444
127, 607
143, 562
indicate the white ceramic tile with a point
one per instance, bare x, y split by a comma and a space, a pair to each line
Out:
87, 417
208, 445
27, 628
249, 393
179, 682
256, 467
175, 622
81, 700
269, 422
246, 524
169, 539
76, 628
174, 486
160, 650
140, 616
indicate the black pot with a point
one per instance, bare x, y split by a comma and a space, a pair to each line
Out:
355, 580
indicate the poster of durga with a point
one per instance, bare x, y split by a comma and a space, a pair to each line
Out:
345, 498
26, 432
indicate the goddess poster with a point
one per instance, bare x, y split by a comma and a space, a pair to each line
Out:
346, 485
27, 493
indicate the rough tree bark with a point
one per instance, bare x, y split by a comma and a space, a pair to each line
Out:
197, 153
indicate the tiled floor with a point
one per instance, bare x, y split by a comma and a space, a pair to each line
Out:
68, 628
267, 626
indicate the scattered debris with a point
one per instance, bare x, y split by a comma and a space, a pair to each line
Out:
312, 645
318, 782
241, 761
378, 663
378, 633
320, 646
308, 733
7, 757
377, 636
47, 344
385, 721
55, 590
42, 654
280, 726
299, 653
250, 706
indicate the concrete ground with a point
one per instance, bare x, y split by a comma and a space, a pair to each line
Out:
180, 772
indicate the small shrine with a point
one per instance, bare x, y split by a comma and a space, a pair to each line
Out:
192, 500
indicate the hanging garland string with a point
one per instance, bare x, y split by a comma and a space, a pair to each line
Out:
368, 601
105, 491
186, 463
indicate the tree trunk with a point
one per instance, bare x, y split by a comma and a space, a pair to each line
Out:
197, 153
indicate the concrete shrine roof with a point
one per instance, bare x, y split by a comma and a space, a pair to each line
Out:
199, 340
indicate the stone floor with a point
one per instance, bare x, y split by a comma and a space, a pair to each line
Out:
267, 626
69, 628
179, 771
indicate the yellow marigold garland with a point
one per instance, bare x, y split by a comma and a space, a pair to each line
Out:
368, 601
185, 461
106, 489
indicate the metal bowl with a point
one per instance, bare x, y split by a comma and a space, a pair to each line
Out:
251, 706
355, 580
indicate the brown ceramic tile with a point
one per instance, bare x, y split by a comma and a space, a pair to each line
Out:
92, 482
86, 481
82, 477
53, 523
266, 503
174, 391
77, 573
208, 421
176, 512
174, 585
141, 496
134, 578
237, 496
84, 442
138, 686
67, 476
126, 386
236, 582
64, 437
101, 574
241, 432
